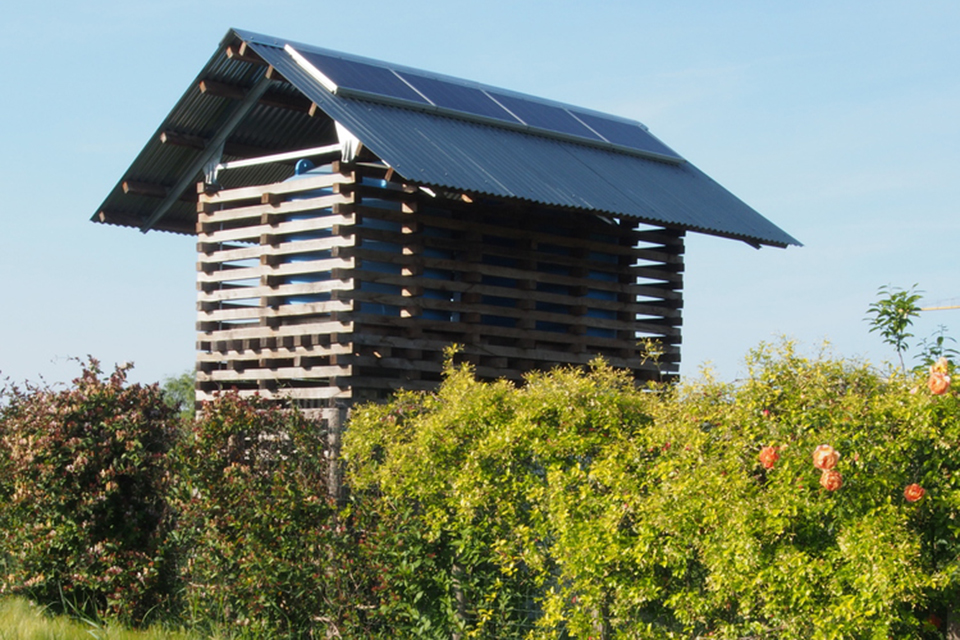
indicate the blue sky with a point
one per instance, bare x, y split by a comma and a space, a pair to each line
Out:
838, 121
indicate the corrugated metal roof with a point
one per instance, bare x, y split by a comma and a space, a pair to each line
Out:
457, 154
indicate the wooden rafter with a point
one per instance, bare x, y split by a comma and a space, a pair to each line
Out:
213, 149
242, 53
200, 142
150, 190
270, 99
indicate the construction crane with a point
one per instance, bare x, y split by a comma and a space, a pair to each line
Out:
941, 308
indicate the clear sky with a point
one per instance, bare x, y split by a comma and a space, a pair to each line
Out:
838, 121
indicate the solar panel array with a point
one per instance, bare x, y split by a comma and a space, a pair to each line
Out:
362, 79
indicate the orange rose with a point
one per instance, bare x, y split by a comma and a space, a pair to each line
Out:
939, 382
825, 457
940, 366
831, 480
913, 492
769, 457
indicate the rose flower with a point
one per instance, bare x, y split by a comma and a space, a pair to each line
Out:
913, 492
825, 457
831, 480
768, 457
940, 366
938, 383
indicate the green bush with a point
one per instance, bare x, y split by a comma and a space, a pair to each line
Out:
434, 575
263, 549
672, 512
83, 477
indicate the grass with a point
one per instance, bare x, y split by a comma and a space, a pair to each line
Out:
20, 619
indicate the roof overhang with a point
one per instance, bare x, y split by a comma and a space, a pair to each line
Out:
256, 98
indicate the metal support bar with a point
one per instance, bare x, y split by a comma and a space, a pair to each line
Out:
210, 152
330, 149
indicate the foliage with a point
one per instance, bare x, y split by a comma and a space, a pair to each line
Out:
893, 314
617, 512
815, 499
934, 347
83, 474
179, 392
263, 549
436, 575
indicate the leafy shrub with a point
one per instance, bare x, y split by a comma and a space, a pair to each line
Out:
689, 511
435, 572
264, 550
83, 477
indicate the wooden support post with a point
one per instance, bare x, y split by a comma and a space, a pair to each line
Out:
335, 418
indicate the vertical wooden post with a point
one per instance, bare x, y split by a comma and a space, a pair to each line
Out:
335, 417
953, 625
457, 572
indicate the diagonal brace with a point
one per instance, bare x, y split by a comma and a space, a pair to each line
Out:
211, 151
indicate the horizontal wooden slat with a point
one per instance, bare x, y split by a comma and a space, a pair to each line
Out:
566, 264
283, 311
281, 373
294, 289
313, 183
268, 332
303, 393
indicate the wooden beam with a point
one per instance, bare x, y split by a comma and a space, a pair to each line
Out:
222, 89
213, 148
200, 143
182, 139
151, 190
273, 74
137, 188
285, 101
242, 53
270, 99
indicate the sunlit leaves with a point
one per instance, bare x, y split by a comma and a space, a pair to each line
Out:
649, 513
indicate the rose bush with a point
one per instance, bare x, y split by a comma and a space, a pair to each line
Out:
636, 514
577, 504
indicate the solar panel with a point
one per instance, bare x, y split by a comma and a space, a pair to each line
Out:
350, 77
545, 116
457, 97
362, 76
626, 134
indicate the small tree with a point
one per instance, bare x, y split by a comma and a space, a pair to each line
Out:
179, 393
893, 314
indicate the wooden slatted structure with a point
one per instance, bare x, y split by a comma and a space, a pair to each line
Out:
348, 284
